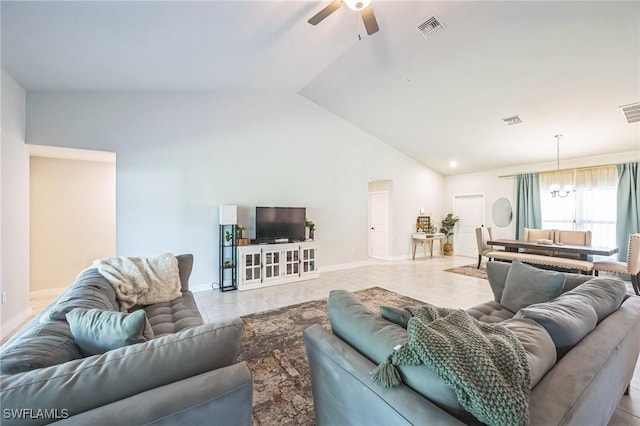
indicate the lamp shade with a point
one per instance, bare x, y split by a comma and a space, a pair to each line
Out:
228, 215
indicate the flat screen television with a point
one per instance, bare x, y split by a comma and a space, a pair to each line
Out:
279, 223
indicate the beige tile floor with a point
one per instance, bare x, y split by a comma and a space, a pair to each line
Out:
421, 279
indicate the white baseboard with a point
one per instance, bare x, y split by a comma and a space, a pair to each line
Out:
11, 325
47, 294
201, 287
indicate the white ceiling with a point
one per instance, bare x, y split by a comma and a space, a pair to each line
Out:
563, 66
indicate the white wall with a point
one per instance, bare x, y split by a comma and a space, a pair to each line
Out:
14, 208
73, 219
182, 155
495, 186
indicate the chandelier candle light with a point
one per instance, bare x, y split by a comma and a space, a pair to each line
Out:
555, 188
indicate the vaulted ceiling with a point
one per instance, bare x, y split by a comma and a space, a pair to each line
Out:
563, 66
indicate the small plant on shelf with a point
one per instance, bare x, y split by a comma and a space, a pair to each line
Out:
228, 236
239, 231
227, 263
312, 227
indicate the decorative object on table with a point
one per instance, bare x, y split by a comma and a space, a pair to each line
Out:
448, 225
311, 226
423, 224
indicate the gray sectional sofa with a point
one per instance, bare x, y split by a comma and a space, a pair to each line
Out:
581, 341
186, 373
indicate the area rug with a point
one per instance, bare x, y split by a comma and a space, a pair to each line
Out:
273, 347
470, 271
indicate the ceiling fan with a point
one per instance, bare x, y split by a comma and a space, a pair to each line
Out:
362, 6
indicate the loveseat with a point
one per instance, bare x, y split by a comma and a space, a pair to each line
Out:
581, 341
181, 371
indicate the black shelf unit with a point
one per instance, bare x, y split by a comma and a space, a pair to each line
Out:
228, 258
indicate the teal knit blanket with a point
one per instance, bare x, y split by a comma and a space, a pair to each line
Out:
484, 364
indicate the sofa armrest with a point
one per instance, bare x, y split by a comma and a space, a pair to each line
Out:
82, 385
185, 266
225, 395
343, 392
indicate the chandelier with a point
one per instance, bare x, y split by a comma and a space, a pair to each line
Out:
555, 189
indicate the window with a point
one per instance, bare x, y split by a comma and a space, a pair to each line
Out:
592, 206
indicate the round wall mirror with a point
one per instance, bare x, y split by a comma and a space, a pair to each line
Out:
502, 212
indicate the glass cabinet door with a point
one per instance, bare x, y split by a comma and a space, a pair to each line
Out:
271, 264
252, 267
308, 259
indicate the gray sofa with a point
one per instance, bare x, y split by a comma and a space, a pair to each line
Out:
187, 373
572, 383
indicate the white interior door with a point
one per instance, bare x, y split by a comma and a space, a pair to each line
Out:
379, 224
470, 209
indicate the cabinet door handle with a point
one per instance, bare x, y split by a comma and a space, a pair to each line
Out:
373, 229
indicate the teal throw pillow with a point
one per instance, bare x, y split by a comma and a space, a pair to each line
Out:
96, 331
398, 316
526, 285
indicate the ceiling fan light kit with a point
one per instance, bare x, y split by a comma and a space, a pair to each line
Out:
363, 6
357, 4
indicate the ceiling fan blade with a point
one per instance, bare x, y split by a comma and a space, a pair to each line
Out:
369, 19
320, 16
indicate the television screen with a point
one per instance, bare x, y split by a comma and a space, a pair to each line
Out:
280, 222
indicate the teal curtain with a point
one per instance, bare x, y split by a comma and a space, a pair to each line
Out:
628, 209
528, 214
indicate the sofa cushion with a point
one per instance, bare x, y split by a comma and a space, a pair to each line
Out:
126, 371
497, 276
538, 346
526, 285
398, 316
39, 345
490, 312
374, 337
97, 332
566, 321
604, 294
173, 316
90, 290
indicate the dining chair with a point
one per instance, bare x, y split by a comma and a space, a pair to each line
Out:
631, 267
535, 235
572, 238
482, 236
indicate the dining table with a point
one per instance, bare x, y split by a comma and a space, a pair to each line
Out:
556, 248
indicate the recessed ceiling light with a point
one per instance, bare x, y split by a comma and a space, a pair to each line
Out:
453, 164
512, 120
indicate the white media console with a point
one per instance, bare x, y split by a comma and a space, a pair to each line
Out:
272, 264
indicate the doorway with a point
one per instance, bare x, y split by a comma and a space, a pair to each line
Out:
470, 208
379, 219
72, 215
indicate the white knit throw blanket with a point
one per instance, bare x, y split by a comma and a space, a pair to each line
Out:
141, 281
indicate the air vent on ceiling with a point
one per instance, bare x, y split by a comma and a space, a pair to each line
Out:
631, 112
512, 120
430, 26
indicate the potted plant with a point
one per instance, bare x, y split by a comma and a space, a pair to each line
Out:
448, 225
312, 227
228, 236
239, 231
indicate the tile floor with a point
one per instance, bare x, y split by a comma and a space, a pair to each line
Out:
421, 279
